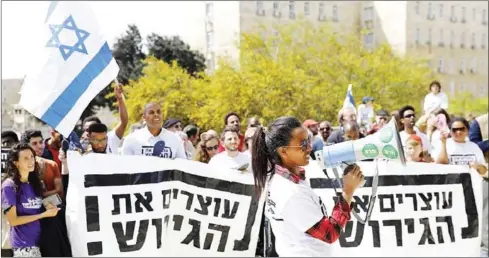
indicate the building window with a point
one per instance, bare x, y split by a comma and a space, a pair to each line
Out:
452, 14
441, 42
473, 40
429, 36
484, 16
452, 38
291, 9
259, 8
307, 8
484, 40
276, 11
451, 66
440, 10
322, 15
368, 13
335, 13
441, 65
474, 14
452, 87
416, 7
463, 14
462, 39
473, 65
430, 11
368, 39
209, 9
210, 39
462, 66
209, 26
417, 36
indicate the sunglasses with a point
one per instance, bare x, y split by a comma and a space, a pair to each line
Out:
103, 140
409, 116
304, 144
324, 128
215, 147
459, 129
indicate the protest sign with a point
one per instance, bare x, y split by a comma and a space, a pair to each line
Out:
421, 210
148, 206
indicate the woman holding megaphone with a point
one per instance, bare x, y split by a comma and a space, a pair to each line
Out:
298, 216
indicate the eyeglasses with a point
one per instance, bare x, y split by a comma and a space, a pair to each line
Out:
103, 140
304, 144
458, 129
324, 128
212, 148
409, 116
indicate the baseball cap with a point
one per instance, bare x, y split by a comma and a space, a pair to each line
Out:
382, 112
171, 122
367, 99
309, 122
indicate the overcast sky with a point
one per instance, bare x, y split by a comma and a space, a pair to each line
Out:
22, 21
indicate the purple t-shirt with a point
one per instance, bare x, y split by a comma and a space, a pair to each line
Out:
26, 235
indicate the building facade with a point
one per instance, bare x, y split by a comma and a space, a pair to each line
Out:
452, 35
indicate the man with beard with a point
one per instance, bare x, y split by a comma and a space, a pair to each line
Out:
232, 119
345, 115
408, 120
231, 157
154, 140
97, 135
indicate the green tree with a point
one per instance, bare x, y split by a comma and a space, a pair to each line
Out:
303, 71
465, 104
171, 49
127, 51
166, 84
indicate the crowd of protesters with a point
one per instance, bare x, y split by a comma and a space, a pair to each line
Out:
36, 169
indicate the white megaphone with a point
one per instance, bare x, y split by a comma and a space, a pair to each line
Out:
384, 144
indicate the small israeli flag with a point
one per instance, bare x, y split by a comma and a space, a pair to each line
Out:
78, 64
349, 101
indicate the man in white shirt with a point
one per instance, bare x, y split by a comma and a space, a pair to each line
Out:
153, 140
102, 141
408, 119
115, 136
231, 157
435, 99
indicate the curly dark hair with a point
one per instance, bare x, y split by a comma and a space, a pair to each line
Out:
12, 171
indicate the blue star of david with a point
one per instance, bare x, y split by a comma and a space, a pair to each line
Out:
67, 51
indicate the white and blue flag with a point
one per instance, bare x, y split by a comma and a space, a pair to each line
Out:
349, 101
78, 64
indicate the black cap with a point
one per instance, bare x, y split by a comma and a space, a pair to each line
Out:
381, 112
171, 122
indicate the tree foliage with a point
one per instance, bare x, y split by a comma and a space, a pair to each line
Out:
465, 103
127, 51
173, 48
303, 70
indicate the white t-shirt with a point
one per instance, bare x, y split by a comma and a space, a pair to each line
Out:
432, 102
165, 145
424, 140
113, 143
292, 210
461, 153
224, 160
365, 113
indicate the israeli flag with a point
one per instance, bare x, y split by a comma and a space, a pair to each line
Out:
78, 64
349, 101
